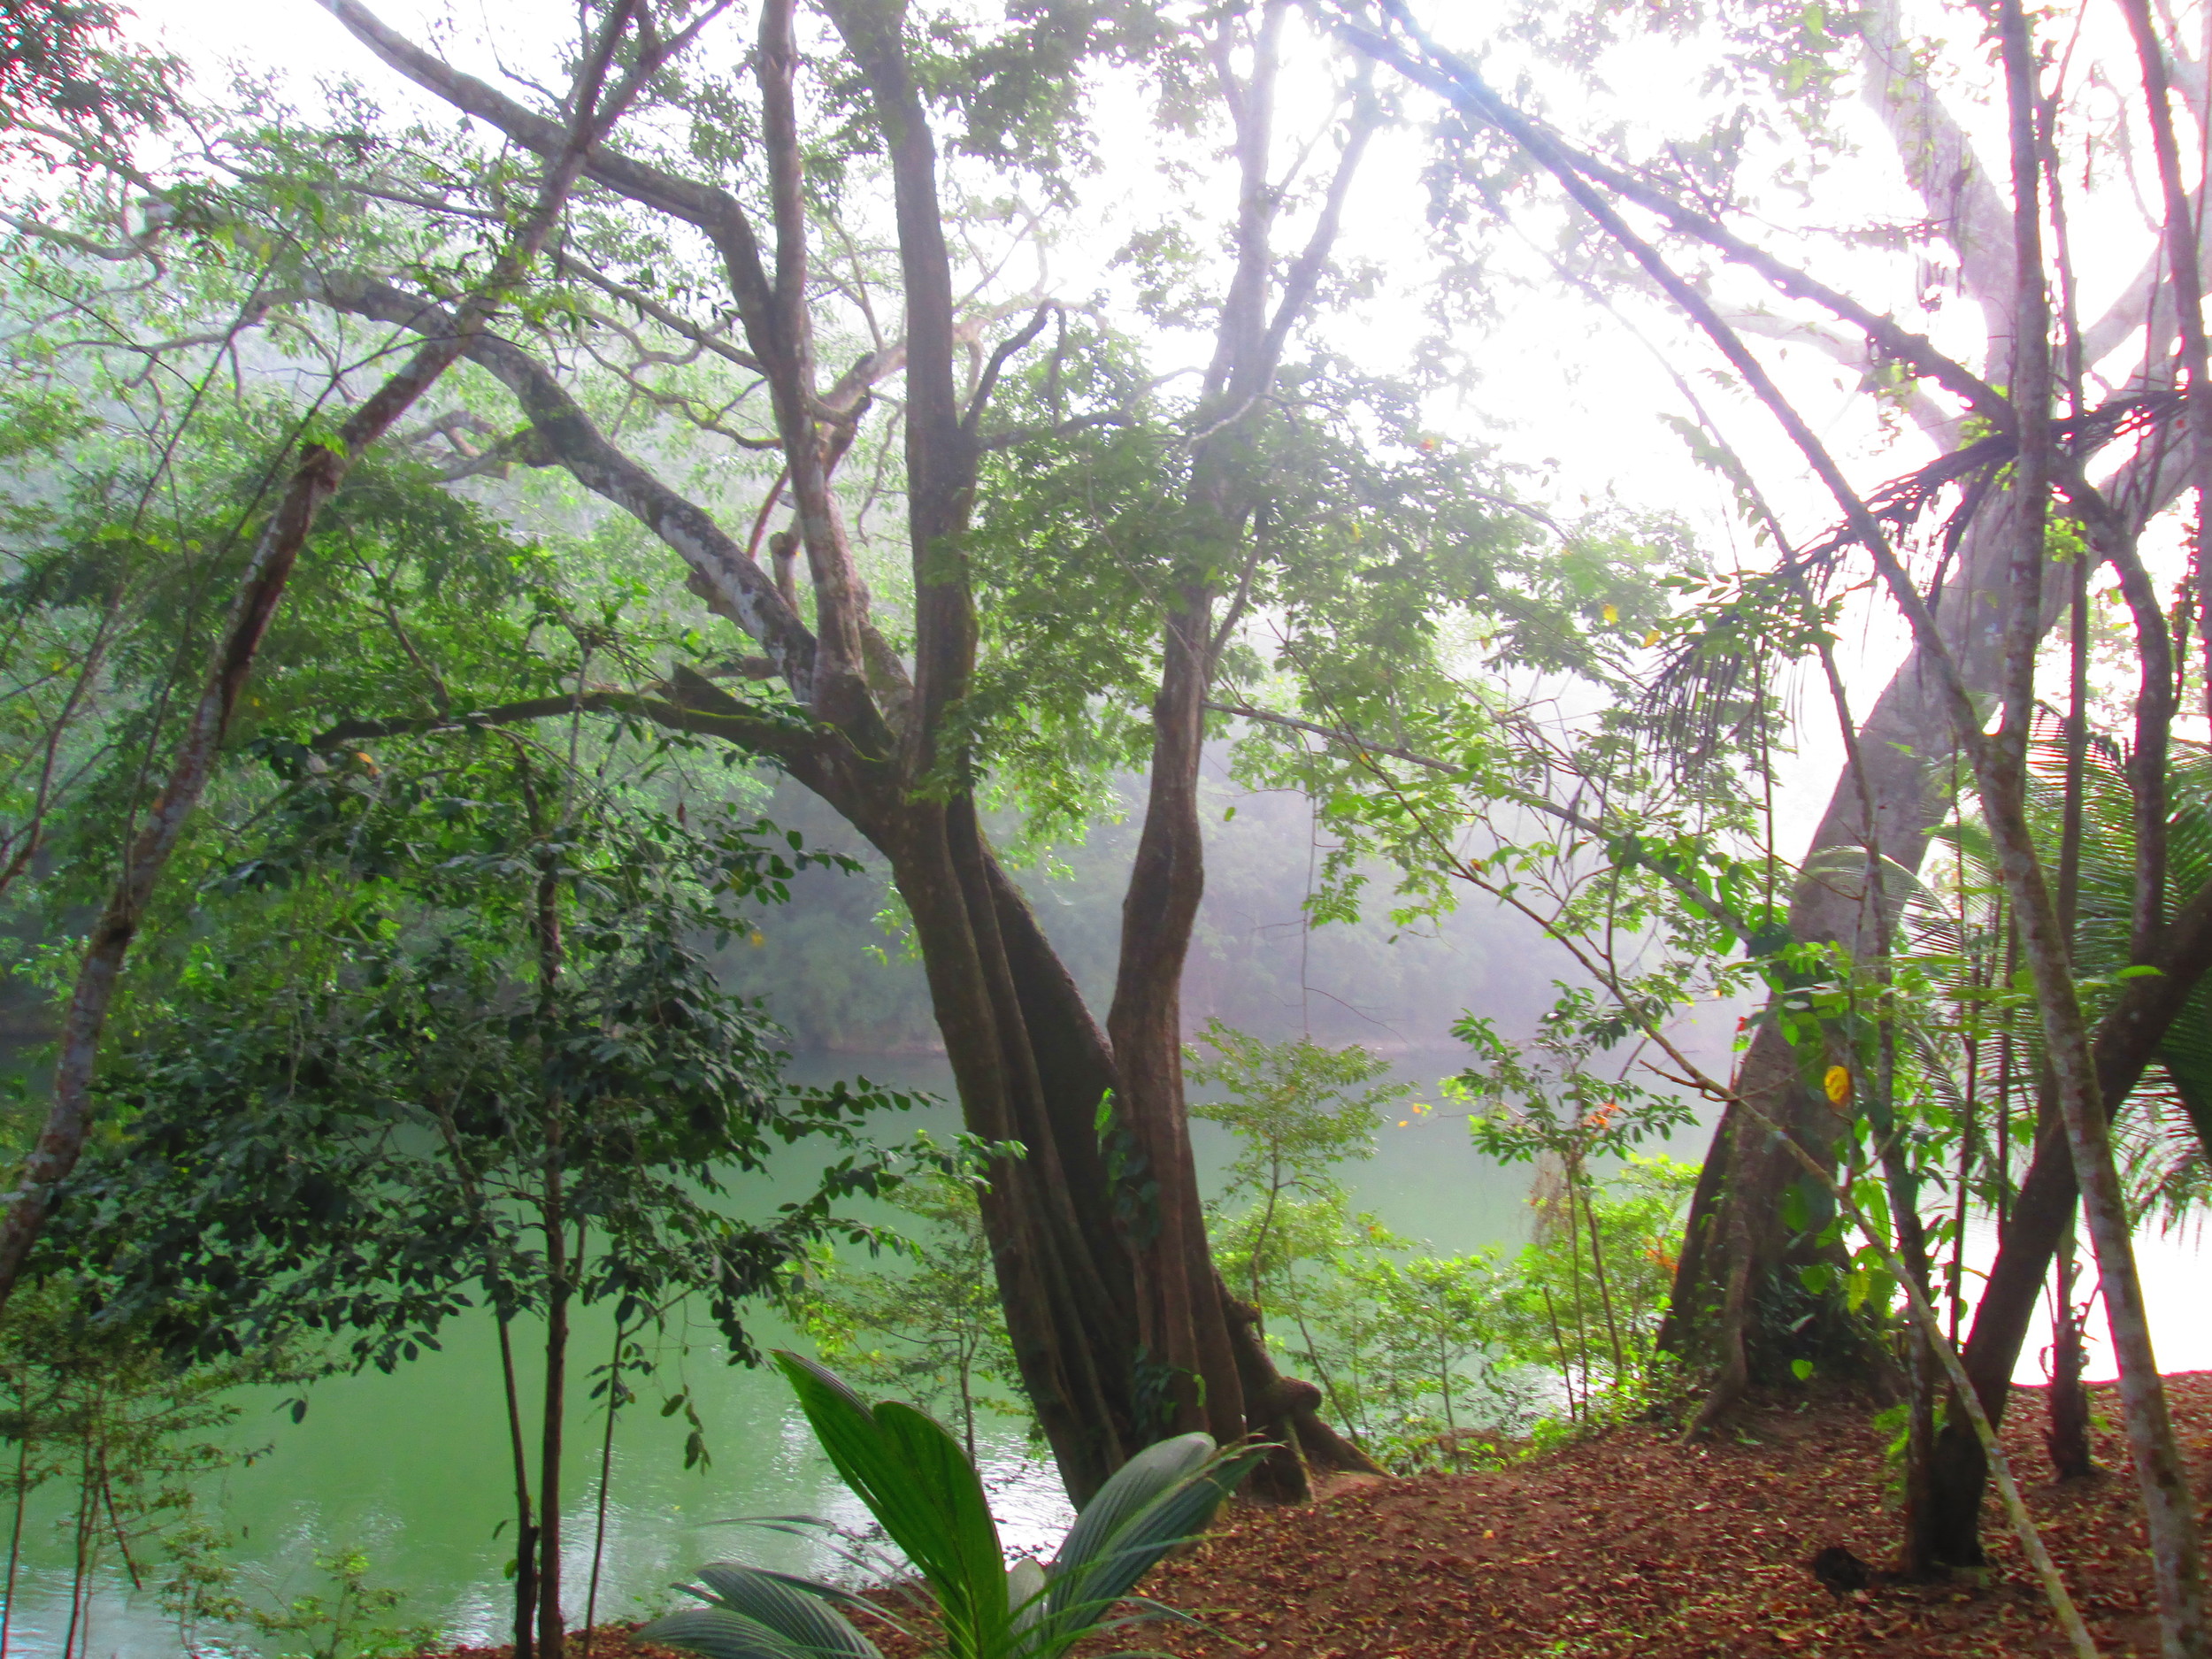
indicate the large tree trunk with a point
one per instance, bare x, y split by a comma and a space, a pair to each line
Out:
1068, 1220
1191, 1377
2127, 1039
1738, 1305
1029, 1065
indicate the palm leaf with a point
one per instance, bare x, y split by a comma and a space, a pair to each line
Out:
1134, 1485
1116, 1556
720, 1634
776, 1600
917, 1483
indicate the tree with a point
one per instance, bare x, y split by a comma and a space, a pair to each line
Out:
1563, 1115
2009, 631
1298, 1110
319, 472
1085, 546
450, 1043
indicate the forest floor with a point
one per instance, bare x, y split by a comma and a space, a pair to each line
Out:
1631, 1543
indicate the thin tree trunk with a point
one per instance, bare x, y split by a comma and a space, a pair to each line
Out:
525, 1524
1574, 1284
1559, 1344
15, 1529
1902, 1184
606, 1474
1605, 1295
2169, 1507
2127, 1040
82, 1544
552, 1630
2067, 1438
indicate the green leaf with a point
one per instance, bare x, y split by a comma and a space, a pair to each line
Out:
1137, 1483
918, 1484
720, 1634
1115, 1558
770, 1600
1028, 1584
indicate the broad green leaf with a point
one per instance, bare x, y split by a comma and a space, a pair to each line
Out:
1134, 1485
720, 1634
1116, 1560
792, 1613
918, 1484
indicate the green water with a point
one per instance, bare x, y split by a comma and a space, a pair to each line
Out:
412, 1467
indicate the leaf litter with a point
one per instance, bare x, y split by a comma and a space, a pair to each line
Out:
1632, 1542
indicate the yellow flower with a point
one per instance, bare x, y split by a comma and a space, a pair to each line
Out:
1839, 1081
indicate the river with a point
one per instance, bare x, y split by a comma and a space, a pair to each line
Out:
411, 1468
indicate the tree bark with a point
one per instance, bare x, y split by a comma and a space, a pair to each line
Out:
552, 1627
2066, 1436
525, 1524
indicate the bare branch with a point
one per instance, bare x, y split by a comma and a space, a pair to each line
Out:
764, 732
1455, 80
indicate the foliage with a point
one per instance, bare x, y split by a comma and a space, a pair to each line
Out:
1298, 1110
1407, 1348
450, 1037
931, 1326
346, 1623
342, 1118
1558, 1114
1427, 1360
929, 1501
95, 1403
1585, 1296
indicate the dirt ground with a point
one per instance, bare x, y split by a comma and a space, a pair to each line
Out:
1634, 1544
1630, 1543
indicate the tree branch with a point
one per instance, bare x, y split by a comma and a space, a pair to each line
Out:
1361, 747
1456, 81
714, 212
784, 738
733, 585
